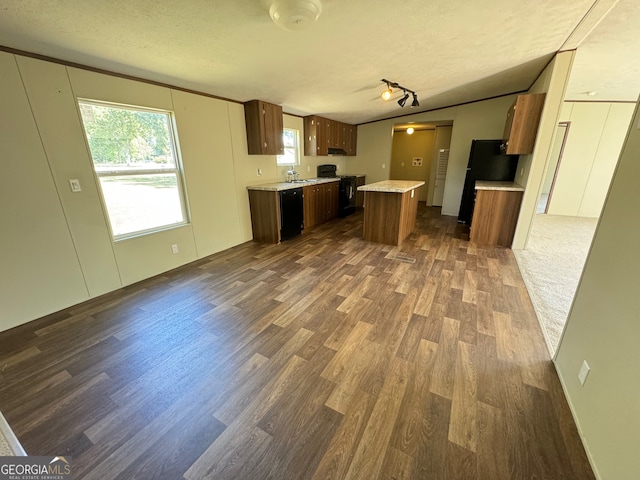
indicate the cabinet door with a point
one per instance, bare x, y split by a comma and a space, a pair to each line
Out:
334, 135
521, 128
310, 135
343, 136
333, 199
264, 128
309, 206
273, 128
352, 140
322, 138
321, 208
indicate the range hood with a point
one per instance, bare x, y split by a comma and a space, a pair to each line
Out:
335, 151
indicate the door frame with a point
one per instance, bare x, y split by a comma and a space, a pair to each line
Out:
555, 174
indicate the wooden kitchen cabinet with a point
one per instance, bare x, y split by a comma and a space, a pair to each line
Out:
309, 200
495, 216
265, 215
320, 203
320, 134
264, 128
351, 139
332, 199
521, 128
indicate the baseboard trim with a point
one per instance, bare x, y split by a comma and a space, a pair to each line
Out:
10, 437
575, 419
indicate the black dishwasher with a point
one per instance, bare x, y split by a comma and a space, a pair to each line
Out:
290, 213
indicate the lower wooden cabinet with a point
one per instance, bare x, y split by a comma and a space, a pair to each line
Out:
265, 215
320, 203
495, 216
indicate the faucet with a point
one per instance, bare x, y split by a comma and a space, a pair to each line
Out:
292, 175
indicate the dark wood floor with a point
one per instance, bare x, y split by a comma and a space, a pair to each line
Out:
324, 357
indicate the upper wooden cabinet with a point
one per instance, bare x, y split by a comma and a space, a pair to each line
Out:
322, 134
264, 128
521, 128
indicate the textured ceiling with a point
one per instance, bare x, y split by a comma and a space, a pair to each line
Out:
449, 52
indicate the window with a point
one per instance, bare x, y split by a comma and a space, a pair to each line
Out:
135, 159
291, 155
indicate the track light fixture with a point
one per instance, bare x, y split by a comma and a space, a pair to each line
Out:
404, 99
386, 94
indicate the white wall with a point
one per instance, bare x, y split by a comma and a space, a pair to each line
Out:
40, 270
56, 249
595, 138
531, 168
479, 120
603, 328
405, 147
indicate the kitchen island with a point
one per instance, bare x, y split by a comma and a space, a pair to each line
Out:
390, 210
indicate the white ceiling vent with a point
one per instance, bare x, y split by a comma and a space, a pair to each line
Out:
295, 15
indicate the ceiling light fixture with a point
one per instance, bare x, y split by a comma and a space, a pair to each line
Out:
410, 131
404, 99
295, 15
386, 94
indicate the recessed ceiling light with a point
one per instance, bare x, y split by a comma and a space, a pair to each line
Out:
410, 130
591, 93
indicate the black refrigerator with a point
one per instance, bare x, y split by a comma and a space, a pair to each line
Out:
485, 163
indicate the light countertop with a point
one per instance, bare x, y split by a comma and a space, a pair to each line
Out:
490, 185
392, 186
279, 186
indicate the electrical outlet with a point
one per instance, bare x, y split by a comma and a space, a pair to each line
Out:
384, 165
584, 371
402, 164
308, 168
259, 172
174, 248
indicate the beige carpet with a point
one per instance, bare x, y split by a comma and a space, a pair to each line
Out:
551, 267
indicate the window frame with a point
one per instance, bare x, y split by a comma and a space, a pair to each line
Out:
177, 170
296, 149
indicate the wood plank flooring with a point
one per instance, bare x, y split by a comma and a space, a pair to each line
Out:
325, 357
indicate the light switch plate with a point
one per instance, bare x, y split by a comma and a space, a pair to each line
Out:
74, 183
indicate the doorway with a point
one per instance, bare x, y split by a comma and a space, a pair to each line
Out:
555, 158
420, 151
